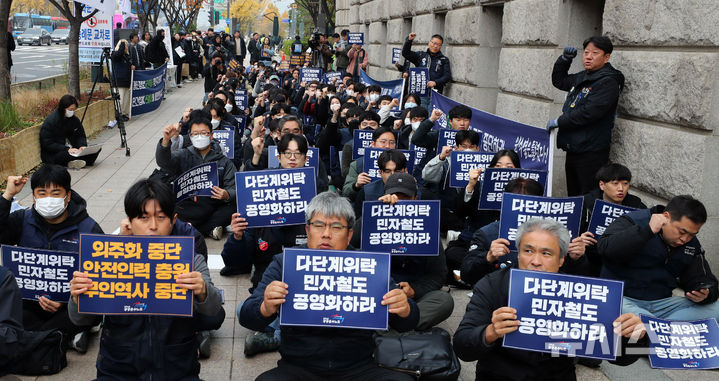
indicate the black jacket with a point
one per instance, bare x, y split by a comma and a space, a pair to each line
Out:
590, 109
55, 130
630, 200
313, 348
438, 64
155, 52
11, 328
121, 63
254, 50
10, 48
650, 268
495, 362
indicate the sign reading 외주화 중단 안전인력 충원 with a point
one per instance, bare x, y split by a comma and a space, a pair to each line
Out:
40, 272
682, 344
197, 181
147, 89
404, 228
339, 289
464, 161
136, 274
532, 144
565, 314
518, 208
495, 179
275, 197
603, 214
371, 168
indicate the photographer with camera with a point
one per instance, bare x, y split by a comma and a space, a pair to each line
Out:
321, 51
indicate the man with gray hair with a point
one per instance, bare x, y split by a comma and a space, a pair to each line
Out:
317, 353
542, 246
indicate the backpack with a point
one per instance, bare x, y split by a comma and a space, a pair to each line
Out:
42, 352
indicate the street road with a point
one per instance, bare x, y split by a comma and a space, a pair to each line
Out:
33, 62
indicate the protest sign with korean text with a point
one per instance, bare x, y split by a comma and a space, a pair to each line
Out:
309, 74
136, 274
95, 33
419, 153
355, 38
603, 214
313, 154
418, 77
445, 137
394, 88
241, 123
40, 272
371, 168
682, 344
147, 90
330, 76
338, 289
405, 228
496, 179
241, 99
396, 55
565, 314
197, 181
275, 197
226, 138
464, 161
532, 144
362, 140
518, 208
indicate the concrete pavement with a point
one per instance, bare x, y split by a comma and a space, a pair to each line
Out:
104, 186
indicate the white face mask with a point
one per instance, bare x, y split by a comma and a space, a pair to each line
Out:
330, 95
215, 123
200, 142
69, 113
410, 105
50, 207
228, 107
350, 93
415, 125
407, 122
373, 97
335, 107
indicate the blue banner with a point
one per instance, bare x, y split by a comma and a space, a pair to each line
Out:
355, 38
362, 140
332, 75
275, 197
495, 179
226, 138
418, 77
41, 272
565, 314
370, 161
603, 214
313, 155
338, 289
682, 344
405, 228
396, 55
419, 153
197, 181
135, 275
461, 162
394, 88
241, 99
532, 144
517, 208
309, 74
147, 90
445, 137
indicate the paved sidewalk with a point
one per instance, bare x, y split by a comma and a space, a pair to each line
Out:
104, 185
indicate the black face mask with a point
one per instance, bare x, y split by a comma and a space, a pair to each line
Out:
353, 125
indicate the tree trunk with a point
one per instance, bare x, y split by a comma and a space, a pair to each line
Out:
4, 63
73, 59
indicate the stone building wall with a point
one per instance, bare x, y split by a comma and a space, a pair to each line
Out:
502, 54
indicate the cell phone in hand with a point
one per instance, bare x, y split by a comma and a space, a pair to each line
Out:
701, 286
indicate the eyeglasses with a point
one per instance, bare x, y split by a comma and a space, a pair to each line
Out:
203, 133
320, 226
387, 142
288, 154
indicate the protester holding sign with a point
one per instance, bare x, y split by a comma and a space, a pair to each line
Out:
358, 61
311, 352
440, 72
588, 114
209, 215
389, 162
11, 326
55, 222
543, 245
154, 347
356, 178
655, 251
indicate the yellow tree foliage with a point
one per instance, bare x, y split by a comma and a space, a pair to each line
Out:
42, 7
247, 11
265, 24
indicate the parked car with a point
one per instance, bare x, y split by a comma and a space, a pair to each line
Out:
34, 36
59, 36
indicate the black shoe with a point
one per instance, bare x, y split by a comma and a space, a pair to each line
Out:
260, 342
124, 118
79, 342
205, 350
230, 270
590, 363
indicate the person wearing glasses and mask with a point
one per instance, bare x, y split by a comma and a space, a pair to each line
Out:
209, 215
312, 353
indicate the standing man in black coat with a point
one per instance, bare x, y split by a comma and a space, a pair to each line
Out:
156, 52
588, 114
10, 48
253, 48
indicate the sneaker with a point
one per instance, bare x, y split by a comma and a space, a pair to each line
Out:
231, 270
260, 342
217, 233
179, 85
79, 342
76, 164
204, 348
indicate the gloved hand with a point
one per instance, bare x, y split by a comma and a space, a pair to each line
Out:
552, 124
569, 53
